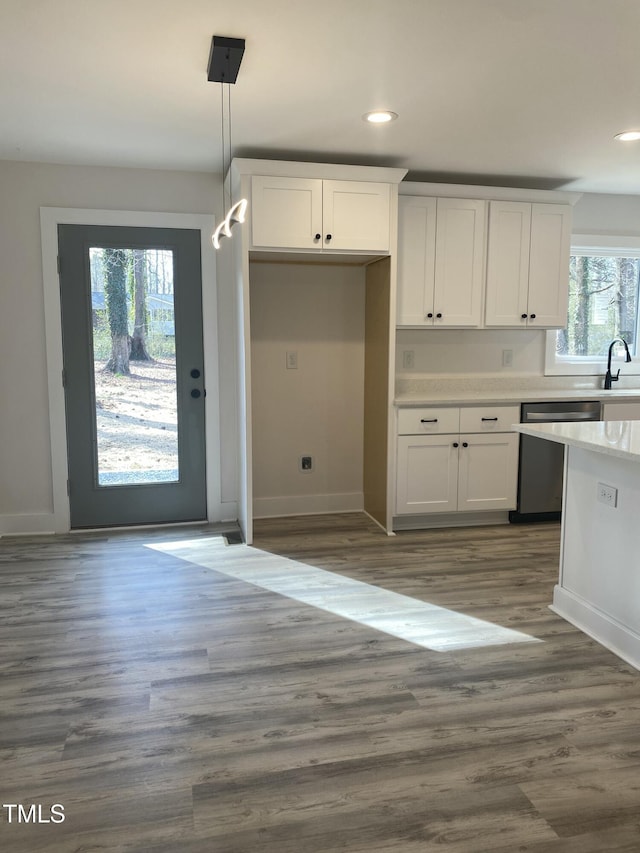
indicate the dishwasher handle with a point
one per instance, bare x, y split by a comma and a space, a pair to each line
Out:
553, 417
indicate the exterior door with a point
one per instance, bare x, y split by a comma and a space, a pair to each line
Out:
133, 372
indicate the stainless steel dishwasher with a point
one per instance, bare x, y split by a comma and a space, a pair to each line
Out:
542, 462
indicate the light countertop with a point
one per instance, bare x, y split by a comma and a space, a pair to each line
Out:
493, 391
612, 438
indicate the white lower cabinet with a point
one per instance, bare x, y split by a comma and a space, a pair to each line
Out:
621, 412
427, 479
463, 471
488, 471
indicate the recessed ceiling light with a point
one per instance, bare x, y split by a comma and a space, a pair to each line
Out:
380, 116
628, 136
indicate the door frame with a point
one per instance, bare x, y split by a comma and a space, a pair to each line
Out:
50, 218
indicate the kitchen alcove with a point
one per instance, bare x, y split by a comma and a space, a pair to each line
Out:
331, 321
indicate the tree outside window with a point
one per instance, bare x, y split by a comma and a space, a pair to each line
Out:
603, 305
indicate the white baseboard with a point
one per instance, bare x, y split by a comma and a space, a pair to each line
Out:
449, 519
613, 635
308, 504
27, 524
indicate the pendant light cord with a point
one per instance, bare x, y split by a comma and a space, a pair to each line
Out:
224, 212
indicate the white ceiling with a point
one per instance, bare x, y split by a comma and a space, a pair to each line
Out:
514, 92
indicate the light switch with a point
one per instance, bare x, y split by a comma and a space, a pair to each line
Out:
292, 360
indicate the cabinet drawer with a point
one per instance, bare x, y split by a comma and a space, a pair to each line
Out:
428, 421
489, 418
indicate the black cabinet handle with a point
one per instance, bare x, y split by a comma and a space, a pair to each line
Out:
532, 316
428, 420
465, 444
430, 315
328, 237
317, 237
438, 316
488, 419
455, 444
524, 316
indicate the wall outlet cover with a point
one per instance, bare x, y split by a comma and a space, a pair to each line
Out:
408, 359
607, 495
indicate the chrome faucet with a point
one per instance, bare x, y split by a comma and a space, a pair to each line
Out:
608, 379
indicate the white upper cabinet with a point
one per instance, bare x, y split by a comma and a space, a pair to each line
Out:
286, 212
441, 252
356, 216
549, 265
528, 264
460, 251
320, 215
416, 259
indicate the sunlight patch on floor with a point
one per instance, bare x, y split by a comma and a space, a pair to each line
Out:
418, 622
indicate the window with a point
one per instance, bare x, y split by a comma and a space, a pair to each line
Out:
604, 285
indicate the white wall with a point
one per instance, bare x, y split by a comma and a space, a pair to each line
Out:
471, 351
441, 351
607, 214
316, 311
25, 463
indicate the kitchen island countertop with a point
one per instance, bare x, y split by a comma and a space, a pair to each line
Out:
612, 438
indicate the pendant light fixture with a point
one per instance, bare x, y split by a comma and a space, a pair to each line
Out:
224, 63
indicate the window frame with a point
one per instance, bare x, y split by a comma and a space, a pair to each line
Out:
593, 245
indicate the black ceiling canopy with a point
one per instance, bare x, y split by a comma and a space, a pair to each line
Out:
224, 59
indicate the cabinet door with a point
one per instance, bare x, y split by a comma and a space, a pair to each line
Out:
549, 265
427, 474
621, 412
508, 263
356, 216
460, 252
488, 471
286, 213
416, 260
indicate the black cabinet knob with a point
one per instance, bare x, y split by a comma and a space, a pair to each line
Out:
455, 444
195, 373
195, 393
532, 316
439, 316
524, 316
328, 237
465, 444
430, 315
317, 237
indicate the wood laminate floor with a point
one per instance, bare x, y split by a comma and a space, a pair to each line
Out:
173, 708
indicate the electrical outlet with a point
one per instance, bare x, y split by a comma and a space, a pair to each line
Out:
607, 495
408, 359
507, 358
292, 360
306, 463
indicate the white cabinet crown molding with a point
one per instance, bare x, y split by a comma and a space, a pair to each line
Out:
326, 171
